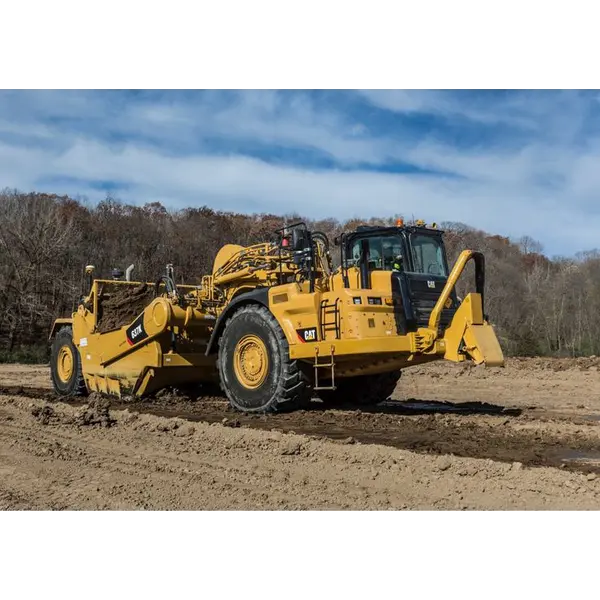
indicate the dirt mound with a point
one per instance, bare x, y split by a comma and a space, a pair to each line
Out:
584, 363
96, 412
123, 306
180, 395
45, 414
171, 395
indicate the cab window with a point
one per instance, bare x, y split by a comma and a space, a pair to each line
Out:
428, 255
384, 252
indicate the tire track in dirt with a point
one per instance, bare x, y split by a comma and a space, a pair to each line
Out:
149, 462
468, 429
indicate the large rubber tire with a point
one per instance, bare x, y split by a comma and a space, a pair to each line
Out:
66, 381
364, 390
282, 385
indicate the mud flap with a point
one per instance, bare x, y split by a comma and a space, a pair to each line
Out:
481, 343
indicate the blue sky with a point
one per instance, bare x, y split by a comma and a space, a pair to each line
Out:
510, 162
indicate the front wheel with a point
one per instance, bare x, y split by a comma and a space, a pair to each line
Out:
254, 365
65, 365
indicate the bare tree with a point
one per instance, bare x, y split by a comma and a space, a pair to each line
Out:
538, 305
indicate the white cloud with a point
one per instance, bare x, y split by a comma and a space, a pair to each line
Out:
244, 184
546, 187
265, 117
555, 116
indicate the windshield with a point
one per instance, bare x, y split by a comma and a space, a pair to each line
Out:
385, 252
428, 255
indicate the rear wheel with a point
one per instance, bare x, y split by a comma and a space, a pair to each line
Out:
65, 365
255, 369
364, 390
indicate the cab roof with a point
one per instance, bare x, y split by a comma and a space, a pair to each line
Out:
374, 229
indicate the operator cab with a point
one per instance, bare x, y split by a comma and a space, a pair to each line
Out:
416, 258
391, 250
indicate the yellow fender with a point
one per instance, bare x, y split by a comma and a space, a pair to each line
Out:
58, 324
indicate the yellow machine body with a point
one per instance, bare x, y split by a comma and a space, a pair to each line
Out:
332, 325
138, 358
367, 342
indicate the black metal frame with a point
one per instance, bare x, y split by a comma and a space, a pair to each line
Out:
330, 308
479, 260
304, 253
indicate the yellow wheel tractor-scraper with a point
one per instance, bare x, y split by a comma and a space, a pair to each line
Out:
275, 324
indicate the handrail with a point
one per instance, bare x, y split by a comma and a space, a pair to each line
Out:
457, 270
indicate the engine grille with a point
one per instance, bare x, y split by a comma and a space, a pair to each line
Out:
422, 308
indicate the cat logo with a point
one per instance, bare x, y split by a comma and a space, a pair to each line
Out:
308, 334
431, 284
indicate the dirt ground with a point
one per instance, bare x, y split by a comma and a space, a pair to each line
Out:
526, 436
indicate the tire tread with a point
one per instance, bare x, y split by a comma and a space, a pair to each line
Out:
293, 389
78, 388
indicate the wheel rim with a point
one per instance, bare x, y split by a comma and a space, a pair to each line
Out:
251, 362
65, 364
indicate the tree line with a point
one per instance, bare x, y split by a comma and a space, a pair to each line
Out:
539, 306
